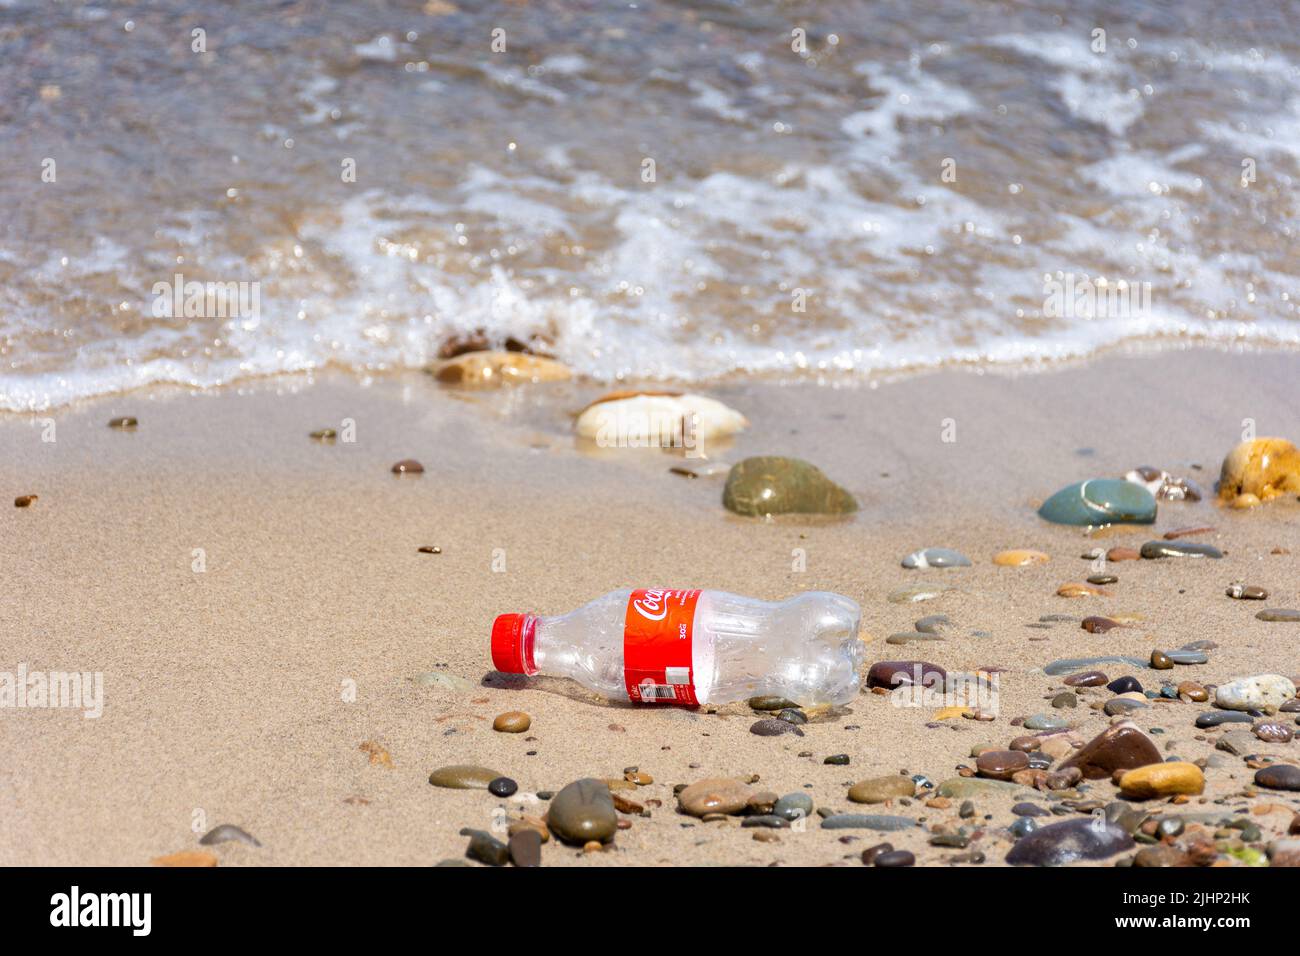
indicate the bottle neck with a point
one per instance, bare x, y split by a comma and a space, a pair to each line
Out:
528, 644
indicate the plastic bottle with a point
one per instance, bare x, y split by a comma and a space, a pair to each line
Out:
692, 647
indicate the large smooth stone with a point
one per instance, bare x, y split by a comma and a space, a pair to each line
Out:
622, 419
881, 789
491, 369
771, 485
1162, 780
1180, 549
1281, 776
463, 777
1279, 614
936, 558
1121, 746
1217, 718
1070, 841
1265, 692
715, 795
583, 811
867, 821
1100, 501
1265, 468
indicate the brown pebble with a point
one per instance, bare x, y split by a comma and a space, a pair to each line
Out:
323, 434
525, 847
1273, 732
186, 858
1160, 661
1026, 744
408, 466
429, 549
870, 853
1086, 679
638, 778
766, 836
1193, 692
512, 722
1123, 554
592, 846
126, 421
1074, 589
1001, 764
1099, 625
25, 501
1103, 579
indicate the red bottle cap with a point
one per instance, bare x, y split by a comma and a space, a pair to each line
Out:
512, 643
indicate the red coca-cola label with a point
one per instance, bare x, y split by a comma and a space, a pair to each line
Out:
657, 646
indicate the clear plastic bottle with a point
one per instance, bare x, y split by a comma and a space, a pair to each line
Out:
693, 647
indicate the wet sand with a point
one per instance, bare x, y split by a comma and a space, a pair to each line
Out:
226, 690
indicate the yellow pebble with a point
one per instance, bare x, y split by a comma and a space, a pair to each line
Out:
948, 713
1018, 558
1162, 780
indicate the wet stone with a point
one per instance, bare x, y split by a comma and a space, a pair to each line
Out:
1120, 706
486, 848
1100, 501
1001, 764
463, 777
715, 795
895, 858
525, 847
936, 558
837, 760
892, 674
25, 501
870, 854
1119, 747
1180, 549
126, 421
226, 833
794, 806
793, 715
1086, 679
503, 787
1102, 579
1185, 657
1273, 732
582, 812
771, 485
1099, 625
1022, 827
408, 466
1279, 614
1124, 685
1058, 844
512, 722
768, 821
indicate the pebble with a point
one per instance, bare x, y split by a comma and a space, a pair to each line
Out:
1046, 722
912, 637
1193, 692
892, 674
1185, 656
323, 434
1282, 776
1122, 706
1217, 718
408, 466
1086, 679
881, 789
1019, 558
715, 795
916, 593
1162, 780
1070, 841
582, 812
1273, 732
1026, 809
793, 715
226, 832
934, 624
1261, 469
1246, 592
429, 549
1065, 699
486, 848
1100, 501
837, 760
525, 847
1124, 685
1239, 743
1022, 827
1074, 589
1121, 746
936, 558
774, 727
1279, 614
1123, 554
794, 806
186, 858
1103, 579
962, 788
769, 485
1262, 692
503, 787
126, 421
512, 722
867, 821
25, 501
1182, 549
1099, 625
463, 777
1001, 764
770, 702
895, 858
492, 369
870, 853
1160, 661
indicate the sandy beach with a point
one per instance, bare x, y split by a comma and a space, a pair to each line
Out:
267, 630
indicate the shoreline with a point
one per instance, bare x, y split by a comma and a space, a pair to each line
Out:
224, 690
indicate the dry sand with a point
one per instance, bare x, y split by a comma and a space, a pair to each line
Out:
225, 691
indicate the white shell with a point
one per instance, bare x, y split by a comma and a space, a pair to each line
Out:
1263, 692
651, 415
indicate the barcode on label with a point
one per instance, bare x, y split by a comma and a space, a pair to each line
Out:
658, 692
677, 675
